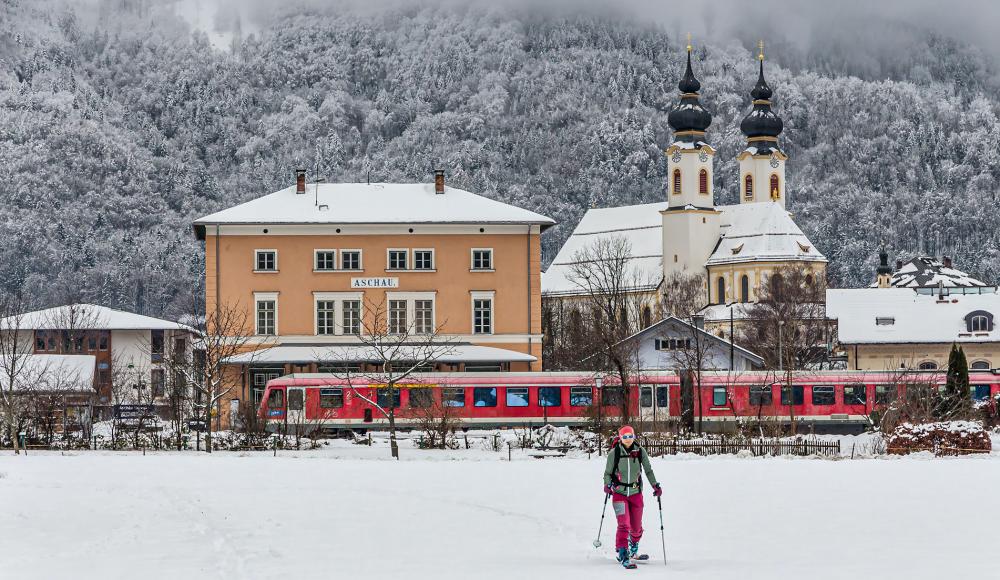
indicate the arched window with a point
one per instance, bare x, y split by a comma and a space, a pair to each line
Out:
647, 317
928, 366
775, 190
703, 182
745, 288
775, 283
748, 186
981, 365
677, 181
809, 279
979, 323
720, 285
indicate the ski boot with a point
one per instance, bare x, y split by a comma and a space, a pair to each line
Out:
623, 557
633, 552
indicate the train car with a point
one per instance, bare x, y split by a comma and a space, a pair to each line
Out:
825, 401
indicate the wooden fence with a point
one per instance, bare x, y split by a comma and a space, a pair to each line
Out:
757, 447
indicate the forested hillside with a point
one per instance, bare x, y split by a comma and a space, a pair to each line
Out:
118, 128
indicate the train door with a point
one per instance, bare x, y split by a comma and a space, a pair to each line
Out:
296, 405
647, 410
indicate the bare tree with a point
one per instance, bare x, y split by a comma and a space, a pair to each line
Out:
434, 417
683, 294
396, 348
690, 355
614, 292
17, 371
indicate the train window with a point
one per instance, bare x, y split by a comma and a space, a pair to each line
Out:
549, 396
792, 396
645, 396
386, 397
824, 395
611, 396
517, 396
662, 395
484, 397
855, 395
421, 398
331, 398
719, 397
980, 392
295, 397
276, 400
454, 397
581, 396
886, 394
761, 395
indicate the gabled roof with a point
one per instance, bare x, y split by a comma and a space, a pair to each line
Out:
89, 317
927, 272
641, 225
761, 232
907, 316
372, 203
653, 329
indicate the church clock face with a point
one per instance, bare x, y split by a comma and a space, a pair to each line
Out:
676, 157
774, 162
703, 157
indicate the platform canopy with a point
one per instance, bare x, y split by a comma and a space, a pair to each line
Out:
302, 354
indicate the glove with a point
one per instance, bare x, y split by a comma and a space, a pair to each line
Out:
607, 490
657, 490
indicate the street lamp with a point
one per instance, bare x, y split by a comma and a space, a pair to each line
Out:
781, 323
600, 419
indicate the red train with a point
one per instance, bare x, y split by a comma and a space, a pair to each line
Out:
832, 401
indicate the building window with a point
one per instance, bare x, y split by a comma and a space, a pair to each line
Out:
517, 396
156, 382
981, 365
326, 260
823, 395
421, 398
423, 259
928, 366
397, 316
326, 313
677, 182
672, 343
760, 395
886, 394
267, 314
91, 341
397, 259
453, 397
102, 341
855, 394
581, 396
352, 317
350, 259
156, 345
748, 186
423, 316
331, 398
39, 340
549, 396
775, 190
482, 258
703, 182
647, 316
719, 397
266, 260
482, 316
794, 395
484, 397
720, 290
745, 289
979, 324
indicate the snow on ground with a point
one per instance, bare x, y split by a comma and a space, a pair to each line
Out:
346, 511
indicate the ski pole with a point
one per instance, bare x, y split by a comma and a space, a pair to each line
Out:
663, 541
604, 509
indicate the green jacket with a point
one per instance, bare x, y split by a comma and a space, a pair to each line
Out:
628, 469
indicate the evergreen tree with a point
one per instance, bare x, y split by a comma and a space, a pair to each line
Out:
956, 399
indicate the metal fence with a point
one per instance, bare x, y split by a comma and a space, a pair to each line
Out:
757, 447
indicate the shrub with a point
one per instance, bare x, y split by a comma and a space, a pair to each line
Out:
942, 438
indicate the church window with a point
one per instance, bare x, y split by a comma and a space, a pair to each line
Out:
703, 182
748, 186
776, 282
677, 181
721, 289
775, 191
745, 288
647, 317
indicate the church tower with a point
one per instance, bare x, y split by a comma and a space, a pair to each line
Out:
690, 222
883, 274
762, 163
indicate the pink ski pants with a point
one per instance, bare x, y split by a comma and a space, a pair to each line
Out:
628, 510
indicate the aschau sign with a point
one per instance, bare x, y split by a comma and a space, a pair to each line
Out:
374, 282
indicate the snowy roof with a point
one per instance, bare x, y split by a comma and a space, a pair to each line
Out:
54, 373
901, 315
754, 232
641, 225
89, 317
373, 203
721, 312
652, 330
336, 353
927, 272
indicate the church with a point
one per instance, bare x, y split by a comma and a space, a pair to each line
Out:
732, 250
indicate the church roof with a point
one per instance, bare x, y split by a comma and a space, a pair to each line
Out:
761, 232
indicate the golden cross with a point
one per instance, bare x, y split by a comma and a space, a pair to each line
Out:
689, 42
760, 44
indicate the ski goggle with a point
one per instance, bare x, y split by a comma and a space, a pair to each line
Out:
628, 436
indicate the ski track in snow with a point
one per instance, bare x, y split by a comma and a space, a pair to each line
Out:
318, 515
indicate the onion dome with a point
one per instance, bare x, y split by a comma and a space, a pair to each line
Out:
762, 125
883, 262
688, 118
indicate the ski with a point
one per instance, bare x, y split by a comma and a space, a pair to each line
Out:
641, 557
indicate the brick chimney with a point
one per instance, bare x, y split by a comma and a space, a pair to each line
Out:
439, 181
899, 264
946, 260
300, 181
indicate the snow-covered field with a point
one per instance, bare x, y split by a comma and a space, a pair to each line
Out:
347, 512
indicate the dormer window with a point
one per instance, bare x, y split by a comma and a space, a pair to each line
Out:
748, 186
885, 321
703, 182
677, 182
979, 321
